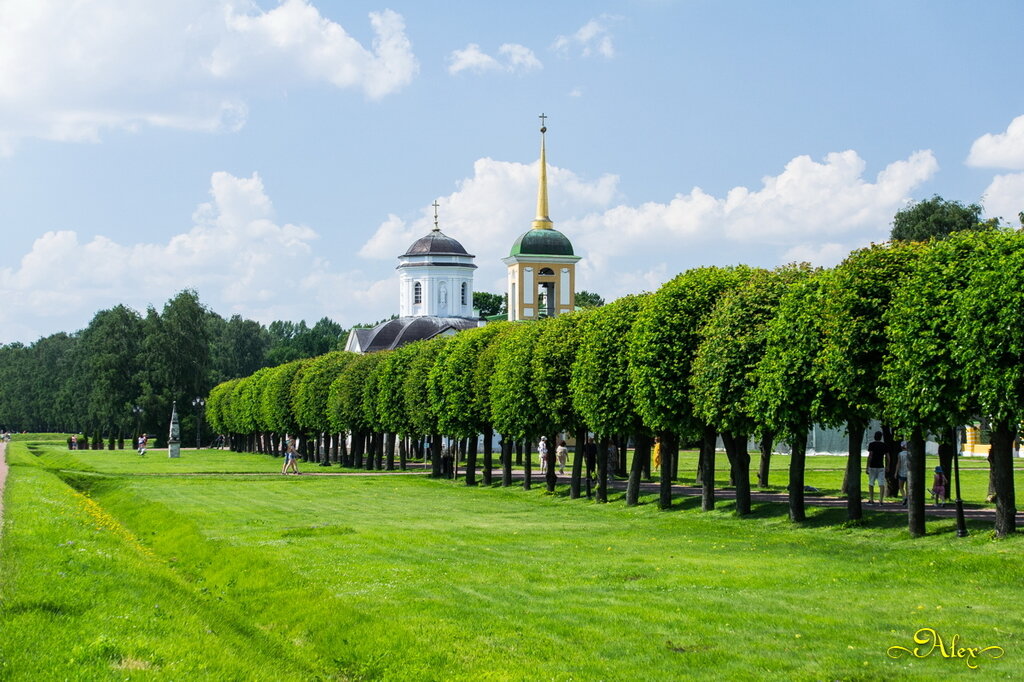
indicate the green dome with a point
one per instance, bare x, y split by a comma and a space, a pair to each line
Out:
542, 243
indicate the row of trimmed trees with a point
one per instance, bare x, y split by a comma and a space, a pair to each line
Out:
924, 336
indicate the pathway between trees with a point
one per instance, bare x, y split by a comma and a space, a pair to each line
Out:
679, 491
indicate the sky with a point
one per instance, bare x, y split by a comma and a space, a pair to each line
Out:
278, 156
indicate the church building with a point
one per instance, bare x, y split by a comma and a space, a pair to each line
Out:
435, 295
435, 281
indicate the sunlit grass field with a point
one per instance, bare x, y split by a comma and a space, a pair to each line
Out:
110, 574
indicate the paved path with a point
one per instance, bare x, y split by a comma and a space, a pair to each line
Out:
679, 491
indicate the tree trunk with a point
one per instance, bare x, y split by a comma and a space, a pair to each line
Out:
577, 464
623, 452
435, 456
403, 451
707, 468
739, 458
665, 489
892, 461
767, 440
488, 454
390, 445
344, 450
797, 462
372, 450
854, 441
1002, 479
506, 462
527, 451
636, 470
471, 461
519, 453
602, 469
917, 484
358, 447
550, 477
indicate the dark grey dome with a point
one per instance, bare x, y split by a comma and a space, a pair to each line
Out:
400, 331
436, 243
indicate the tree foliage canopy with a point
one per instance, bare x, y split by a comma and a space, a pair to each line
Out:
935, 218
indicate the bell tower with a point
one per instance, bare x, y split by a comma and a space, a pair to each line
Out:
541, 264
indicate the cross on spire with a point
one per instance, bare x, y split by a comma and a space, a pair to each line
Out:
435, 205
543, 120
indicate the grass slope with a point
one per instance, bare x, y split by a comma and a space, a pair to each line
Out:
408, 578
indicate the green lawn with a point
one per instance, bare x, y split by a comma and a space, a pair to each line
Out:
406, 578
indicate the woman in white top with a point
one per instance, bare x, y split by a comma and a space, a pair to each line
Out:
562, 453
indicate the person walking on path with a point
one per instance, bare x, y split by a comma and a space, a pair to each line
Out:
939, 486
542, 451
877, 450
657, 452
143, 441
289, 457
562, 453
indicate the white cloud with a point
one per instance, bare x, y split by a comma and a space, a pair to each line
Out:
799, 212
1004, 198
593, 38
519, 58
471, 59
514, 59
822, 255
814, 211
493, 207
239, 258
69, 71
1002, 150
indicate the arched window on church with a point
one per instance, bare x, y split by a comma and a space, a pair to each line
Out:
465, 292
546, 271
417, 293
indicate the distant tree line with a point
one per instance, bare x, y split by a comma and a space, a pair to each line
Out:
119, 375
924, 336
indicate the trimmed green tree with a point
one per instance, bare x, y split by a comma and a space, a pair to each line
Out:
723, 370
787, 386
922, 387
514, 407
600, 381
664, 342
553, 357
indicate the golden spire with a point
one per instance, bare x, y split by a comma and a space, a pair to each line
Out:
542, 221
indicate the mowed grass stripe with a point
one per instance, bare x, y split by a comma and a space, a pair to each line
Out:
574, 589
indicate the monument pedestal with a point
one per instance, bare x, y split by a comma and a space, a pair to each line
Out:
174, 448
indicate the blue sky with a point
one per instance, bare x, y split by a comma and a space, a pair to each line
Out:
278, 156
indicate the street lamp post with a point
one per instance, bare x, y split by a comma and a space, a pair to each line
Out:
961, 523
198, 403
